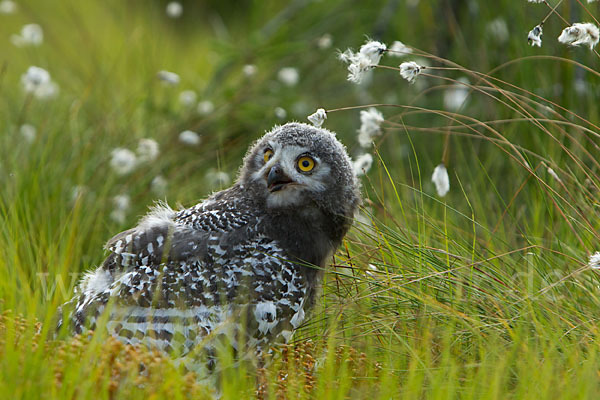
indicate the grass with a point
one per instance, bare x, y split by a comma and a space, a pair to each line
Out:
482, 294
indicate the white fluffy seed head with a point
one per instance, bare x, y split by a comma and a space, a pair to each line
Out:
249, 70
187, 98
399, 49
534, 38
159, 185
168, 78
289, 76
34, 78
370, 126
205, 107
218, 178
147, 150
31, 35
325, 41
362, 61
37, 82
28, 132
8, 7
497, 29
594, 262
456, 96
318, 117
189, 138
362, 164
373, 50
280, 112
123, 161
122, 202
578, 34
441, 180
410, 70
174, 9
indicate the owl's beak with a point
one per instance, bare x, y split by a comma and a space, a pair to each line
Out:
276, 179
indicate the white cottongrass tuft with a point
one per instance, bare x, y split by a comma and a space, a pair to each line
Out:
325, 41
441, 180
218, 178
362, 164
8, 7
456, 96
168, 78
318, 117
77, 192
586, 34
249, 70
205, 107
498, 30
362, 61
370, 126
123, 161
187, 98
122, 201
37, 81
410, 70
594, 262
280, 112
554, 175
159, 185
289, 76
534, 38
373, 50
189, 138
399, 49
121, 205
147, 150
174, 9
28, 132
31, 35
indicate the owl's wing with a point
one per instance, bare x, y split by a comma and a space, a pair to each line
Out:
163, 238
193, 274
145, 244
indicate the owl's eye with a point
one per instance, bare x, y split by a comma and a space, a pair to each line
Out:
306, 164
268, 154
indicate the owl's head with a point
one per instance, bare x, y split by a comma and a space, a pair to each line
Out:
298, 166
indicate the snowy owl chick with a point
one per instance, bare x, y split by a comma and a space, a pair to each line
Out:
242, 265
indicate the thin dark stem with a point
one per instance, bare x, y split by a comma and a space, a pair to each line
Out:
553, 11
588, 12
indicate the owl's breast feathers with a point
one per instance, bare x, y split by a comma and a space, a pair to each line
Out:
180, 277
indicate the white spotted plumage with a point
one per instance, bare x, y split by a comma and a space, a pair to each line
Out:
243, 264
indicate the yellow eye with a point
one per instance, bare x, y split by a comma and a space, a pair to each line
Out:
268, 155
305, 163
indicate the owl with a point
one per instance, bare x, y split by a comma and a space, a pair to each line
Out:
241, 267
